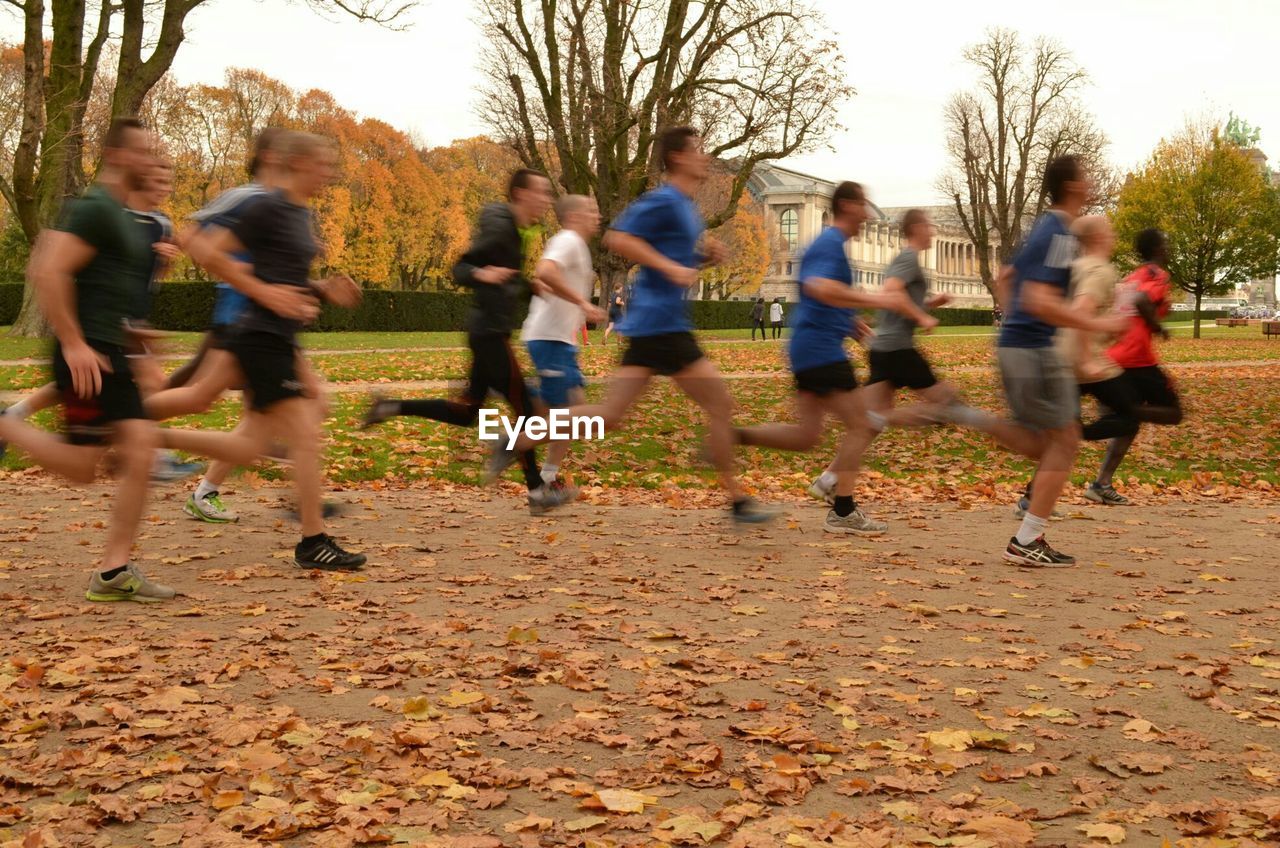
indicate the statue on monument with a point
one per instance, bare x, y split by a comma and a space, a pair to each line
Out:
1240, 133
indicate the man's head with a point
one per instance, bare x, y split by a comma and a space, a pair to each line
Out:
917, 230
268, 147
849, 207
311, 162
1152, 246
1095, 235
529, 193
159, 183
680, 151
127, 150
1066, 184
579, 213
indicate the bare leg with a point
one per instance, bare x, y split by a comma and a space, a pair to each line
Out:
78, 463
803, 435
1055, 468
704, 385
295, 421
218, 373
851, 407
42, 398
241, 447
184, 375
135, 443
1117, 449
559, 448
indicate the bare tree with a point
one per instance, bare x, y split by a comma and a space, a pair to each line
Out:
582, 89
1022, 113
59, 79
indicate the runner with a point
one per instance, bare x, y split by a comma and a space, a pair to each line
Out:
554, 316
85, 273
896, 363
825, 381
276, 233
660, 232
616, 307
196, 386
1147, 291
1039, 386
491, 267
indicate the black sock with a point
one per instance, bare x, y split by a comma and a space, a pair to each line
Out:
115, 572
740, 504
312, 541
844, 505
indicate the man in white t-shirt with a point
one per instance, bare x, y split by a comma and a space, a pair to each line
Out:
775, 317
564, 281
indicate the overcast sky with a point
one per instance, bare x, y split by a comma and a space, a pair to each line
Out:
1153, 64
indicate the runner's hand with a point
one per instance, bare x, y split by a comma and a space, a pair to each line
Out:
290, 302
1114, 324
341, 290
682, 276
938, 300
166, 250
927, 323
494, 275
715, 251
86, 366
594, 313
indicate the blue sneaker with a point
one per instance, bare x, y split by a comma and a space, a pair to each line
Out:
751, 511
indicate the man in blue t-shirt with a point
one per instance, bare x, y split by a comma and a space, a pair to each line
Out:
825, 382
660, 232
1040, 387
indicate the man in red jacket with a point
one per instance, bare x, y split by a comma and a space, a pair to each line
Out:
1146, 290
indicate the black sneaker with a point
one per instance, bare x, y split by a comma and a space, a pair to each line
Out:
1037, 554
380, 409
326, 555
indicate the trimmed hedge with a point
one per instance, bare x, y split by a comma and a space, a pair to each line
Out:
187, 306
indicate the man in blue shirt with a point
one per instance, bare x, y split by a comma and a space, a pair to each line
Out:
1040, 387
660, 232
825, 382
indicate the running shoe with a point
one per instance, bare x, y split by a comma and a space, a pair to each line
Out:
327, 555
210, 508
1105, 495
856, 522
1037, 554
500, 459
129, 585
751, 511
380, 409
549, 496
823, 492
169, 469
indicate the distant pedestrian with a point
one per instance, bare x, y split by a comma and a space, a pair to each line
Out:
757, 319
775, 317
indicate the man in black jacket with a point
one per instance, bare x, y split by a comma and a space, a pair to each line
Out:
491, 268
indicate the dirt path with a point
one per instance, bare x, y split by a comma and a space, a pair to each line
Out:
491, 675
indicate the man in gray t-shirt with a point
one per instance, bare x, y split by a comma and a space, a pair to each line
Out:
895, 331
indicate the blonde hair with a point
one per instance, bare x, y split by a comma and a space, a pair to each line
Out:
1088, 228
570, 203
298, 144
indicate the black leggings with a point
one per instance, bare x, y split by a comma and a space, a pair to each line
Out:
493, 368
758, 325
1119, 409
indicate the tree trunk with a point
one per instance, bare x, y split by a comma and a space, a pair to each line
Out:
1195, 332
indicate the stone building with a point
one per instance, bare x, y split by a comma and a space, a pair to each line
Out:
797, 207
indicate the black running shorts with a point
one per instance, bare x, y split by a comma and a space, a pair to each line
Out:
826, 379
88, 421
1152, 386
905, 369
665, 354
270, 367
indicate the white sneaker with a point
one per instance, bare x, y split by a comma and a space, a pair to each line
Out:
823, 493
856, 522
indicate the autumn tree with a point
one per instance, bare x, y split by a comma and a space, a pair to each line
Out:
60, 62
1021, 113
1218, 207
746, 235
593, 84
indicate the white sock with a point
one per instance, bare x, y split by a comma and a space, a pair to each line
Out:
877, 421
1032, 528
549, 472
969, 416
205, 489
20, 410
827, 480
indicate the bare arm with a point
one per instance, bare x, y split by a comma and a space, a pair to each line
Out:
898, 287
836, 293
547, 272
1045, 302
56, 259
640, 252
1004, 287
286, 301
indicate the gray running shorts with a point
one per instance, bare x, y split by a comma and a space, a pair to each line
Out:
1040, 387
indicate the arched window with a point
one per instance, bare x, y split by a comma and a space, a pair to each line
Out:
788, 269
826, 218
789, 228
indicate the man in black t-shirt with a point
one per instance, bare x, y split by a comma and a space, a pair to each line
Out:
86, 274
276, 232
